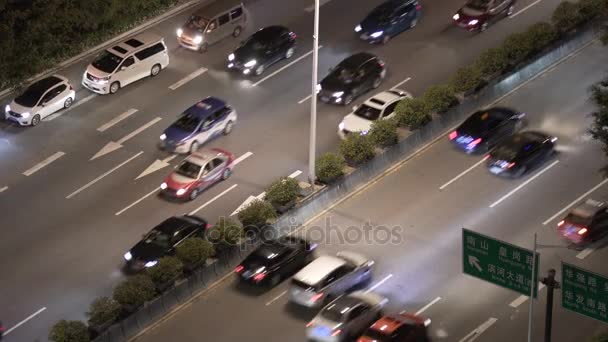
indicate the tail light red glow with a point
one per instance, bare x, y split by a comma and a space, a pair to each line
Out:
309, 324
317, 297
510, 165
419, 8
208, 226
259, 277
293, 35
381, 62
453, 135
239, 269
560, 223
337, 332
475, 142
582, 231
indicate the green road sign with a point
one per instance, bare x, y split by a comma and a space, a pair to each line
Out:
498, 262
584, 292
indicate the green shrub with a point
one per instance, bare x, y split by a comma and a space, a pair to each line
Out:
167, 269
329, 167
492, 61
194, 250
412, 113
227, 231
69, 331
256, 214
384, 133
599, 94
591, 9
103, 310
440, 98
566, 16
283, 191
357, 148
135, 290
466, 79
542, 34
518, 47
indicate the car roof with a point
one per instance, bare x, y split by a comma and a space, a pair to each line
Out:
343, 304
528, 137
46, 83
173, 224
202, 156
588, 208
205, 107
318, 269
357, 59
384, 98
134, 43
392, 4
269, 32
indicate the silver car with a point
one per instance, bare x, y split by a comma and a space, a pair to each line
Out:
346, 318
329, 277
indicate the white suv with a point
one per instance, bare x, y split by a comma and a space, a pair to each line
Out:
129, 61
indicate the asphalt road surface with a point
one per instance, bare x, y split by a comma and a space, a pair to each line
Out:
67, 220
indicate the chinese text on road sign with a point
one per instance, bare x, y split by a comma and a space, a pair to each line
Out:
584, 292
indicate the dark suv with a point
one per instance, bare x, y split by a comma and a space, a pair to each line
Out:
388, 20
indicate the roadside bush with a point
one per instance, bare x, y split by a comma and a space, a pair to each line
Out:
69, 331
357, 148
134, 291
283, 191
103, 310
227, 231
591, 9
599, 94
412, 113
193, 251
518, 47
492, 61
167, 269
439, 98
384, 133
566, 16
542, 34
466, 79
329, 167
257, 214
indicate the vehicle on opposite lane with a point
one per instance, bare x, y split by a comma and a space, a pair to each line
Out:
586, 222
354, 76
378, 107
262, 49
402, 327
163, 239
388, 20
477, 15
39, 100
198, 124
328, 277
197, 172
346, 317
275, 260
519, 153
481, 131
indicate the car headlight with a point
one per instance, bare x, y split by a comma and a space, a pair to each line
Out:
163, 136
128, 256
377, 34
456, 16
358, 28
251, 63
103, 80
180, 32
473, 22
364, 132
338, 94
163, 186
151, 263
341, 126
198, 39
7, 108
25, 115
231, 57
318, 88
181, 192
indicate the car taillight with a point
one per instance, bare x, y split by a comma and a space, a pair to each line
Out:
293, 35
381, 63
561, 223
316, 297
337, 332
208, 226
487, 156
582, 231
419, 8
453, 135
474, 142
309, 324
510, 165
259, 277
239, 268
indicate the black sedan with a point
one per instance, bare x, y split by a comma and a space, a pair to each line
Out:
162, 240
520, 152
388, 20
275, 260
485, 128
354, 76
262, 49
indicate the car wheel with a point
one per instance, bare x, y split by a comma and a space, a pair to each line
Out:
377, 82
194, 194
155, 70
228, 128
237, 31
194, 147
35, 120
348, 99
226, 174
483, 27
413, 23
68, 102
385, 39
510, 10
114, 87
289, 53
203, 48
259, 70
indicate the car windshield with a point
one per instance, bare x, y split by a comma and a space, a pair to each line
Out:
334, 313
480, 5
158, 238
368, 112
30, 96
344, 74
188, 169
187, 122
197, 22
258, 41
107, 62
479, 123
376, 335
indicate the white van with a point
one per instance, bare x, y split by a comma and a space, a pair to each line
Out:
138, 57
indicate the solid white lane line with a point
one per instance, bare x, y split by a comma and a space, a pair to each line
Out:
75, 105
580, 198
473, 335
43, 163
24, 321
523, 298
295, 174
311, 8
188, 78
400, 83
585, 253
462, 173
241, 158
213, 199
117, 119
103, 175
139, 200
523, 9
139, 130
285, 67
276, 298
523, 184
3, 189
305, 99
379, 283
424, 308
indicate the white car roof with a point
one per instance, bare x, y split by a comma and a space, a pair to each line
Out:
384, 98
140, 41
317, 270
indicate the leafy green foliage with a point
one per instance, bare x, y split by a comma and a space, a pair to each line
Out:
167, 269
329, 167
518, 47
357, 148
566, 16
599, 126
466, 79
69, 331
492, 61
257, 214
591, 9
542, 34
194, 250
135, 290
103, 310
384, 133
227, 231
283, 191
412, 113
440, 98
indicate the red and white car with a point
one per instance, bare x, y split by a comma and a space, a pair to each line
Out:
197, 172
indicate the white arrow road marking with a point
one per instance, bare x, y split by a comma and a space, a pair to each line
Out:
473, 261
188, 78
117, 120
156, 165
3, 189
43, 163
139, 200
24, 321
379, 283
260, 196
113, 146
473, 335
105, 174
213, 199
76, 104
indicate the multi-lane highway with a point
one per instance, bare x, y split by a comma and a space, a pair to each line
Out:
68, 219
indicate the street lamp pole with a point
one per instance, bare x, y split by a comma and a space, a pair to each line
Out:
313, 101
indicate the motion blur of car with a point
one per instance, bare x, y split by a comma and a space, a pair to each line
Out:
162, 240
346, 317
197, 172
485, 128
41, 99
519, 153
198, 124
275, 260
388, 20
264, 48
329, 277
477, 15
354, 76
586, 222
402, 327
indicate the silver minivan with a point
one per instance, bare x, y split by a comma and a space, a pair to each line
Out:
212, 24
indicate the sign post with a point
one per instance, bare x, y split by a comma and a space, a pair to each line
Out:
584, 292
